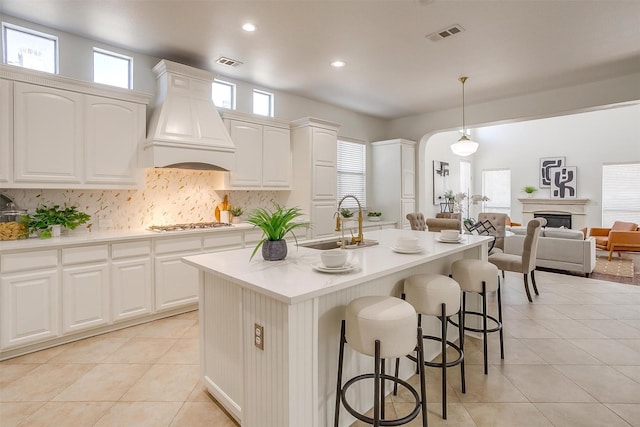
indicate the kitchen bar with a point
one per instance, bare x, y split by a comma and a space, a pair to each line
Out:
291, 380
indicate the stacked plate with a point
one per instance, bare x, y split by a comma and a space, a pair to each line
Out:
443, 240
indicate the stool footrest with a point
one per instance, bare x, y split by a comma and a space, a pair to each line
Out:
475, 313
455, 362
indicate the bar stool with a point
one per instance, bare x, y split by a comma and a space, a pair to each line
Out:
381, 327
479, 277
437, 295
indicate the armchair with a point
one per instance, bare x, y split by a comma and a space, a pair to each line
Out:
622, 236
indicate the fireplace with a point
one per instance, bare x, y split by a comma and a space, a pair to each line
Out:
555, 220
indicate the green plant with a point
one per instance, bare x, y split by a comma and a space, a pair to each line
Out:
46, 217
276, 224
529, 189
374, 214
346, 213
236, 211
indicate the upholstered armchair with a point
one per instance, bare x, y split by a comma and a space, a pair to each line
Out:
622, 236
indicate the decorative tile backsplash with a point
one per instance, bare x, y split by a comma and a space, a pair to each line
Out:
170, 196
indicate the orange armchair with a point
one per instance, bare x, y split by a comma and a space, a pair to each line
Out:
622, 236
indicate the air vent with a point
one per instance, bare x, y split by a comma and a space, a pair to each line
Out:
228, 61
444, 33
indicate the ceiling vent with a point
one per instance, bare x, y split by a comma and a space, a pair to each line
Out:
446, 32
228, 61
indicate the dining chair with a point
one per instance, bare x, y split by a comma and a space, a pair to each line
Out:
416, 220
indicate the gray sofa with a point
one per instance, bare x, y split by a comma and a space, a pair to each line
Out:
558, 249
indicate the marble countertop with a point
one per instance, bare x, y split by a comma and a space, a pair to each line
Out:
294, 279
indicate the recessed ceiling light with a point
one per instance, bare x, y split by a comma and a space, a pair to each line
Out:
338, 64
249, 27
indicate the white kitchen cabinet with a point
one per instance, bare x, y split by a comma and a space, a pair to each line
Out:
176, 283
393, 179
263, 153
113, 132
48, 128
131, 280
85, 288
6, 132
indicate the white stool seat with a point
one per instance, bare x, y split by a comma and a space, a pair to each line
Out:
390, 320
427, 292
470, 273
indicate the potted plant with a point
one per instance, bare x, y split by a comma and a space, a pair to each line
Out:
46, 218
529, 189
346, 213
235, 212
275, 224
374, 216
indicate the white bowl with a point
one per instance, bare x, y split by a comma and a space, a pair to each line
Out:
407, 243
334, 258
450, 234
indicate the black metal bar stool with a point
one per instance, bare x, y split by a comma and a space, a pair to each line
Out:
479, 277
437, 295
382, 327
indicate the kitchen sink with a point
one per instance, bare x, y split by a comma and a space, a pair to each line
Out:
333, 244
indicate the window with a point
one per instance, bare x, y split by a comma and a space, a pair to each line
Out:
496, 185
352, 173
262, 103
465, 176
29, 49
224, 94
620, 195
112, 69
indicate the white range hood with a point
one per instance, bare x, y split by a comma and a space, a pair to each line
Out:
185, 130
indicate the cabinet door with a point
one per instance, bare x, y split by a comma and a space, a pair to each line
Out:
6, 131
324, 164
131, 286
113, 132
85, 296
408, 171
29, 304
276, 157
408, 206
48, 128
324, 223
248, 140
177, 283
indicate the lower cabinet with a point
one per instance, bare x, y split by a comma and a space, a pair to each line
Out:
177, 283
131, 284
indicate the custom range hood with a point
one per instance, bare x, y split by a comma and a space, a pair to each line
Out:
185, 130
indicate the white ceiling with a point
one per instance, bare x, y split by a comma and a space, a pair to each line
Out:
508, 47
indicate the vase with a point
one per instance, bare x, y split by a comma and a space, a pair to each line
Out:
274, 250
56, 230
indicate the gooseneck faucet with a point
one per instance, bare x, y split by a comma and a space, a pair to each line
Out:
360, 238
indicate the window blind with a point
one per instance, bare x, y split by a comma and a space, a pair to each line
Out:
352, 173
620, 193
496, 185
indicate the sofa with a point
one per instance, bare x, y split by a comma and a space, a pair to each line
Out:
558, 249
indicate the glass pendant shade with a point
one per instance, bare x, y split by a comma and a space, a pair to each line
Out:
464, 146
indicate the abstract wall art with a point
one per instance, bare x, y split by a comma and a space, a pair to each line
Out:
547, 163
563, 182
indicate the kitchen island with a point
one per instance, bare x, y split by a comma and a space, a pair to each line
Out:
290, 381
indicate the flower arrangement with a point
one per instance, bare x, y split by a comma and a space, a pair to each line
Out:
464, 208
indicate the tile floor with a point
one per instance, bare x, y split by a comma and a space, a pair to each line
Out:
572, 359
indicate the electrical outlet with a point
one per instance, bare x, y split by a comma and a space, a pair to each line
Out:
258, 336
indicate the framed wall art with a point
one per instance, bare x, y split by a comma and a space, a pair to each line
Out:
547, 163
440, 175
563, 182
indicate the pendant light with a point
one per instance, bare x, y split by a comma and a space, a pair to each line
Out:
464, 147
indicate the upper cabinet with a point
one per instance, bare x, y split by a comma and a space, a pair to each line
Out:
263, 153
64, 133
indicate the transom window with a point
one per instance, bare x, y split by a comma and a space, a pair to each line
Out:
496, 185
620, 194
29, 49
223, 94
262, 103
352, 173
112, 69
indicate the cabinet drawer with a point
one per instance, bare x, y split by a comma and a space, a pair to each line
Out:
252, 236
29, 260
85, 254
129, 250
225, 241
164, 246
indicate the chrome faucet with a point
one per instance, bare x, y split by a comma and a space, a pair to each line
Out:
359, 240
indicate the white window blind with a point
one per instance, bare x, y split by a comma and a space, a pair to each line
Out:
620, 193
496, 185
465, 176
352, 173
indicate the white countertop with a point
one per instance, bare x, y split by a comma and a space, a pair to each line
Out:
293, 279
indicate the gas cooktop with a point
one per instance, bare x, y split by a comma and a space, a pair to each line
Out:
188, 226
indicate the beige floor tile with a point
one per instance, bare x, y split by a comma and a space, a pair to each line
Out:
632, 344
613, 328
167, 328
527, 328
580, 415
493, 387
605, 384
130, 332
141, 350
140, 414
12, 413
90, 350
457, 415
11, 372
611, 352
390, 413
569, 328
537, 312
578, 312
164, 383
192, 333
42, 356
184, 351
200, 414
191, 315
632, 372
105, 382
543, 383
506, 415
615, 311
199, 393
43, 383
629, 412
67, 414
560, 352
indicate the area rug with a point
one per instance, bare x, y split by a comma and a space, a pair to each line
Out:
615, 267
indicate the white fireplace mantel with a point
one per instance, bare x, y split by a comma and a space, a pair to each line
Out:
575, 207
